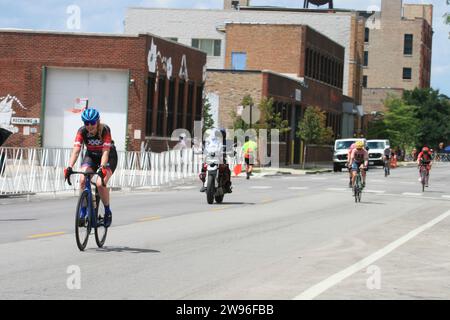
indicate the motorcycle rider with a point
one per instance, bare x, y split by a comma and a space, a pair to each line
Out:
215, 143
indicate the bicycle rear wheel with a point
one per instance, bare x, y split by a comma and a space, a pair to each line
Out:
82, 225
100, 231
423, 177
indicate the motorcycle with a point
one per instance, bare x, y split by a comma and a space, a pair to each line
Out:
217, 184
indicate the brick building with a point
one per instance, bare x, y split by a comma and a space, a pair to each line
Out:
144, 86
205, 29
310, 74
398, 50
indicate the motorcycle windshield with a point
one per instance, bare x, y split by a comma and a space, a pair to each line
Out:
213, 147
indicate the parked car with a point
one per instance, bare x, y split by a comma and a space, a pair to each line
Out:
376, 151
341, 147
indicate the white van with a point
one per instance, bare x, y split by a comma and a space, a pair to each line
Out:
376, 151
341, 147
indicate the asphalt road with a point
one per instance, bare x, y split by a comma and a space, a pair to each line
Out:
276, 237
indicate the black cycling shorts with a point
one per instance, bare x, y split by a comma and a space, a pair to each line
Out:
93, 160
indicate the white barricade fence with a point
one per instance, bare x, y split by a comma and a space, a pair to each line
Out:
39, 170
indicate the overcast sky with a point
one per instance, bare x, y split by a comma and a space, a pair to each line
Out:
108, 16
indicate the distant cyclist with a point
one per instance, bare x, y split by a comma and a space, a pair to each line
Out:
100, 157
360, 160
387, 159
349, 164
249, 149
424, 159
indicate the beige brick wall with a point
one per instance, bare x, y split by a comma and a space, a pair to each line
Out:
231, 87
385, 47
373, 99
412, 11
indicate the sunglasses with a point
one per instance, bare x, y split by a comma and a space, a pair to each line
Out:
90, 123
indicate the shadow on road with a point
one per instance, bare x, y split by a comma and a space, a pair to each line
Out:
369, 202
125, 249
236, 203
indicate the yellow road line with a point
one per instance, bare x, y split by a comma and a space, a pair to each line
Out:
149, 219
267, 200
44, 235
219, 208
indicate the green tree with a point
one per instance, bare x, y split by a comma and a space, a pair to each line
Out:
312, 128
432, 111
271, 119
400, 123
238, 122
208, 121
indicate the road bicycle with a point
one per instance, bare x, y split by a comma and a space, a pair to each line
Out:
94, 219
423, 176
387, 167
357, 188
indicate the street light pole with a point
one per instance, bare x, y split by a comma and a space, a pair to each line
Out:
251, 105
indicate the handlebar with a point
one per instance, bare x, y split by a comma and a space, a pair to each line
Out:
85, 174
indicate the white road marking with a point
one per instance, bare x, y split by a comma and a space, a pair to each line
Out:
412, 194
326, 284
298, 188
446, 196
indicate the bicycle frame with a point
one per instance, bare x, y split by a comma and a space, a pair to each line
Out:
92, 216
91, 212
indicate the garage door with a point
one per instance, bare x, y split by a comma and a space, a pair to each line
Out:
106, 90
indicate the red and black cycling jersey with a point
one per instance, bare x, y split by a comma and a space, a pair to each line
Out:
424, 158
95, 144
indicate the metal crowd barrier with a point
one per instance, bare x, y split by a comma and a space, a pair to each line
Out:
38, 170
441, 157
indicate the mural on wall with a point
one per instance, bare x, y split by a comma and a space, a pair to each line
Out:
7, 112
154, 55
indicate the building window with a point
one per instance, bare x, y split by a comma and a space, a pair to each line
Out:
408, 45
238, 60
199, 104
407, 73
366, 35
180, 107
161, 107
210, 46
364, 83
171, 108
366, 58
149, 111
307, 64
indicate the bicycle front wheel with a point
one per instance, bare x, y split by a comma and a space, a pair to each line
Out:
100, 230
82, 224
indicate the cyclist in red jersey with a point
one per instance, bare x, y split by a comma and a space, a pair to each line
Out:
424, 159
100, 157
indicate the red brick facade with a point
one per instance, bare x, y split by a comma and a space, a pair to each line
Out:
24, 55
